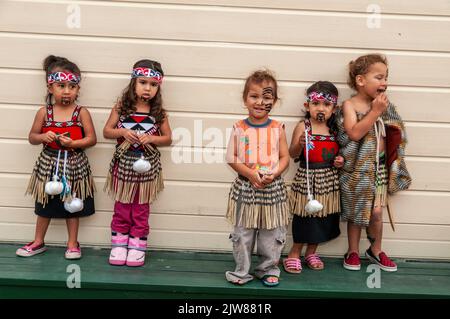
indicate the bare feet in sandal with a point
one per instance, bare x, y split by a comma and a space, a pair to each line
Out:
270, 281
292, 265
314, 262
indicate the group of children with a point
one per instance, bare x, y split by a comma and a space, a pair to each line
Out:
137, 121
349, 159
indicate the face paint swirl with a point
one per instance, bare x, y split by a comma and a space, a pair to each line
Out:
268, 91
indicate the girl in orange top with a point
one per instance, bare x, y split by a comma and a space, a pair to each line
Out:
258, 204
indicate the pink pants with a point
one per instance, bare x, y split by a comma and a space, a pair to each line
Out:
131, 218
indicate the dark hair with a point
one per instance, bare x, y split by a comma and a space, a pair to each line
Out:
51, 63
361, 66
329, 88
259, 77
127, 102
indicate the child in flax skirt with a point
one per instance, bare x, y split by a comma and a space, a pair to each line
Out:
258, 204
139, 123
61, 176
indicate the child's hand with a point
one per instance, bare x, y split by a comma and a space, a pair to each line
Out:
130, 136
267, 178
255, 179
338, 161
65, 141
146, 138
48, 137
380, 103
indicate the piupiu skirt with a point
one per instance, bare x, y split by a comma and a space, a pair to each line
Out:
123, 183
324, 186
78, 175
265, 208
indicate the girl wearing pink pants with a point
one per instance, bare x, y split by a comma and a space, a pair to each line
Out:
140, 124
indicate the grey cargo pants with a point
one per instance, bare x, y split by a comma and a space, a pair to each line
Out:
269, 244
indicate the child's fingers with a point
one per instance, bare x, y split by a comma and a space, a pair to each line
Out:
131, 136
50, 138
131, 133
144, 138
258, 183
378, 98
132, 140
256, 180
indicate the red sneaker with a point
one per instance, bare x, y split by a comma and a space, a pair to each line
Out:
352, 261
382, 260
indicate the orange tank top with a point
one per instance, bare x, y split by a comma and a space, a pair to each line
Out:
256, 146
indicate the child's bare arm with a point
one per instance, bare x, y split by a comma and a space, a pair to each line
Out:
110, 131
357, 130
35, 136
298, 140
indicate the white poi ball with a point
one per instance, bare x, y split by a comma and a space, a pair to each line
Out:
54, 187
313, 206
74, 205
141, 165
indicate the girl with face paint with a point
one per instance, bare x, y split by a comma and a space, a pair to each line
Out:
257, 203
140, 124
373, 139
65, 129
311, 229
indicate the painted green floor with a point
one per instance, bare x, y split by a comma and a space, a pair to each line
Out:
201, 275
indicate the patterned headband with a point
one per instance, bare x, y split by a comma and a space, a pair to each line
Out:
148, 73
63, 77
321, 96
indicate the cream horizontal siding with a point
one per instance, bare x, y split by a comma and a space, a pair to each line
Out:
188, 58
227, 24
207, 48
439, 7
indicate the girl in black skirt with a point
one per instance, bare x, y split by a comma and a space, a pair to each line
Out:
318, 227
61, 182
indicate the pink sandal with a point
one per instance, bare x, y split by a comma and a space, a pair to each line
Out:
313, 261
292, 265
